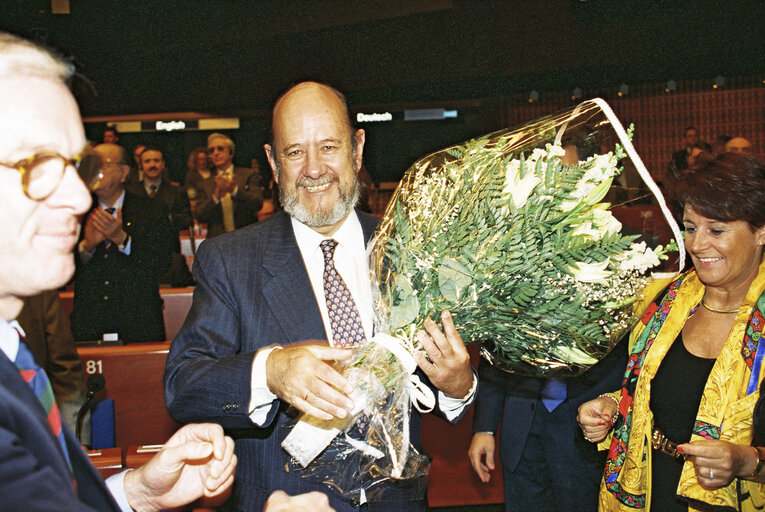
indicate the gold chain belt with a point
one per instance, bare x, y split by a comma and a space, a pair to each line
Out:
662, 443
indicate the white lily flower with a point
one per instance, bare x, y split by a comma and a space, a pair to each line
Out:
639, 257
516, 189
585, 229
591, 272
605, 222
602, 168
581, 191
523, 188
538, 153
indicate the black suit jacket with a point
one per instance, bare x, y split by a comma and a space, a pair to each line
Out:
33, 472
176, 204
115, 292
253, 291
679, 160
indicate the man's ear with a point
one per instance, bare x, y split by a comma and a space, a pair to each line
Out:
360, 139
271, 161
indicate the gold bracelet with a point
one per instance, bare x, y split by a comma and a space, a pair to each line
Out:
472, 389
760, 454
616, 401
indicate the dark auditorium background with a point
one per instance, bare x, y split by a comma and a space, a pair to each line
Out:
185, 59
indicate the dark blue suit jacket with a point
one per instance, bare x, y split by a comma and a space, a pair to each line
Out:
253, 291
513, 398
33, 471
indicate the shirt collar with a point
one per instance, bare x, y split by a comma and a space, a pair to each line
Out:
349, 235
148, 185
117, 204
9, 338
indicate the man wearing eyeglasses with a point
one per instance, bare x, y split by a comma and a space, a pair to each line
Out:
237, 196
123, 251
43, 468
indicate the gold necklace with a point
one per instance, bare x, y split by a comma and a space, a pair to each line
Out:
723, 311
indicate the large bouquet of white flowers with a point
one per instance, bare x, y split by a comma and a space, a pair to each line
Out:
510, 232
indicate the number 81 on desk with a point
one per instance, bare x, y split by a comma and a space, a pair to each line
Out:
94, 366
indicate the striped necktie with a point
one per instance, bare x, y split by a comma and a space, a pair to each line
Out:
344, 317
35, 376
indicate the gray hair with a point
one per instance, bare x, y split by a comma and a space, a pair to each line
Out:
217, 135
19, 57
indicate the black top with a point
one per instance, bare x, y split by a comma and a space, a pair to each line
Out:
675, 397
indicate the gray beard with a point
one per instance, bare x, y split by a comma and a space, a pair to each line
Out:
349, 197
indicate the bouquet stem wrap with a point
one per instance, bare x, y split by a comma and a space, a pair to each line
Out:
372, 444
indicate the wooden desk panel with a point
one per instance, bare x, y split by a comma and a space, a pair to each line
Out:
133, 375
176, 304
107, 461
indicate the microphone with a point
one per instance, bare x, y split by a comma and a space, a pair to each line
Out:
95, 383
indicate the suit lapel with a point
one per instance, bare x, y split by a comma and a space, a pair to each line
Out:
288, 291
368, 224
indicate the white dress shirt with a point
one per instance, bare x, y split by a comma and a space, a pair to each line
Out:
9, 344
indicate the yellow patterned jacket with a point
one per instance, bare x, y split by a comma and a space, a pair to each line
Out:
724, 403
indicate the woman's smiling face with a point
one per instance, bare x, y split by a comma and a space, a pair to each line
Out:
726, 254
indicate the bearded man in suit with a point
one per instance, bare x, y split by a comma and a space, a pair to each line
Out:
260, 291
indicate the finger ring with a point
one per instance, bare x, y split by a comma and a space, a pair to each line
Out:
587, 438
307, 394
711, 474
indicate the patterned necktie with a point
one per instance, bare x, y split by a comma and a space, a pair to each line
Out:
38, 381
344, 317
152, 190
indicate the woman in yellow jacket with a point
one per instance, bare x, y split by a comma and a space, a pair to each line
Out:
679, 432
